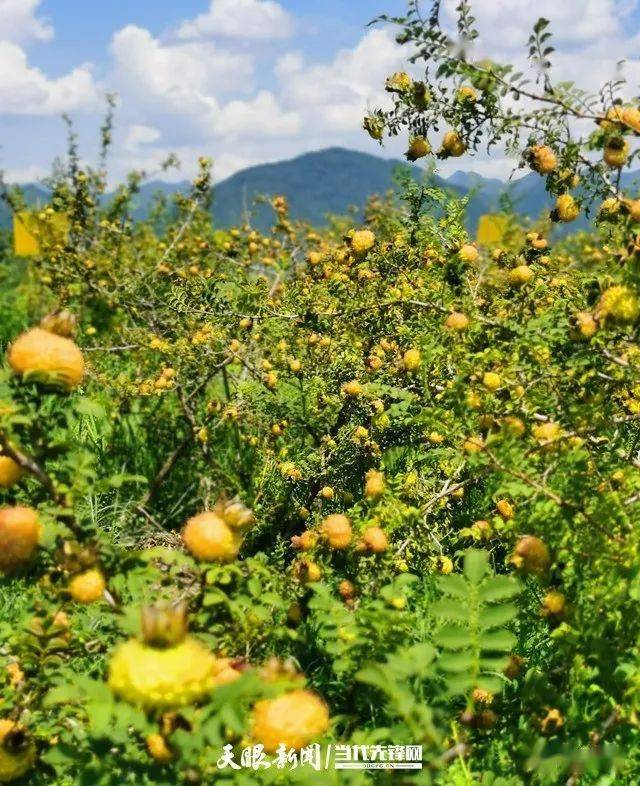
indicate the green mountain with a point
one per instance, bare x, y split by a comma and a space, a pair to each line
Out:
332, 182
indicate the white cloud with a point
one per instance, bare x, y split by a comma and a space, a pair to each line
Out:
246, 19
25, 90
18, 21
137, 136
261, 116
27, 174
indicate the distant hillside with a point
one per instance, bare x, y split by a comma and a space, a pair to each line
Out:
332, 181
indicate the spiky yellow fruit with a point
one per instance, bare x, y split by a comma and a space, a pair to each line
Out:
375, 539
585, 324
418, 148
469, 253
209, 538
553, 603
546, 432
491, 381
542, 159
158, 749
467, 95
456, 321
10, 472
87, 587
156, 678
295, 719
336, 530
505, 509
453, 145
566, 208
352, 388
619, 304
362, 241
19, 535
411, 360
531, 555
17, 751
45, 357
374, 484
616, 152
520, 275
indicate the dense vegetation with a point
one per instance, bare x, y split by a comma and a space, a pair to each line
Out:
388, 479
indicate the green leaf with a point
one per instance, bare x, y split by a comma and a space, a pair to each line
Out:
453, 637
456, 661
454, 586
476, 565
498, 588
450, 610
498, 641
496, 616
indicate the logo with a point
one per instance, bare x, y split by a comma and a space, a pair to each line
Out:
332, 756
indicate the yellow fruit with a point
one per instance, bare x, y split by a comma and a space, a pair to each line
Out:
616, 152
520, 275
456, 321
209, 538
46, 357
531, 555
375, 539
293, 719
304, 542
553, 603
362, 240
619, 304
10, 472
307, 571
542, 159
546, 432
452, 145
87, 587
411, 360
491, 381
514, 425
156, 678
418, 148
336, 530
235, 514
631, 118
586, 324
19, 535
158, 749
352, 388
374, 484
400, 82
566, 208
633, 206
469, 253
505, 509
17, 751
466, 95
473, 445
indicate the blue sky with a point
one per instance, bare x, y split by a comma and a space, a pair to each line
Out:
245, 81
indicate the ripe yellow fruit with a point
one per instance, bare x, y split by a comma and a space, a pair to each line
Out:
514, 425
452, 145
520, 275
542, 159
336, 530
304, 542
17, 751
456, 321
631, 118
156, 678
616, 152
209, 538
19, 535
469, 253
553, 603
467, 95
295, 719
531, 555
546, 432
374, 484
375, 539
586, 324
352, 388
411, 360
491, 381
418, 148
307, 571
87, 587
566, 208
400, 82
362, 240
10, 472
473, 444
158, 749
619, 304
46, 357
505, 509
